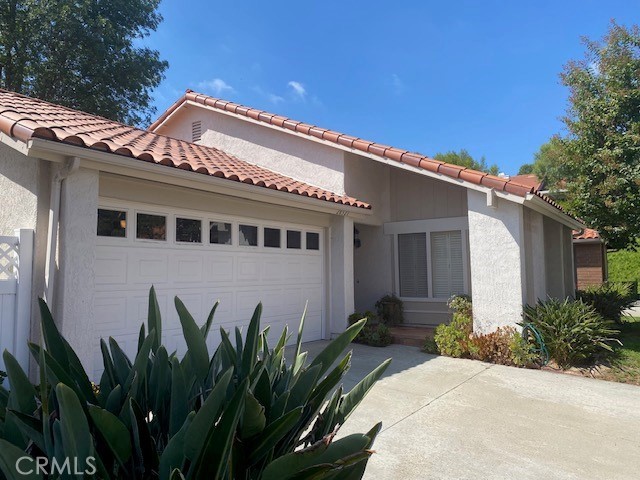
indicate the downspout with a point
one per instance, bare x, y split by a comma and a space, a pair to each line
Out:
70, 166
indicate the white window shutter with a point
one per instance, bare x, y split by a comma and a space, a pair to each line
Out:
412, 259
447, 264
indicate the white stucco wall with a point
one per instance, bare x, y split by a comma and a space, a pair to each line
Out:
279, 151
24, 200
77, 250
18, 190
496, 238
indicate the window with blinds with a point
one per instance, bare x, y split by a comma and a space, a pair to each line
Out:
412, 259
446, 264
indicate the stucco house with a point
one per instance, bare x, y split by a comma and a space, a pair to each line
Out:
221, 201
589, 248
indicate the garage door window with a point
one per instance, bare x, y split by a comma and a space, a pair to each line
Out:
112, 223
220, 233
248, 236
188, 230
151, 227
313, 241
272, 237
294, 239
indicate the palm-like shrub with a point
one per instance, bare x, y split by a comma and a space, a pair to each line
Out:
241, 413
573, 331
610, 300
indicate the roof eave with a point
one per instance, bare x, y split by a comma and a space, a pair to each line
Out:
113, 163
536, 203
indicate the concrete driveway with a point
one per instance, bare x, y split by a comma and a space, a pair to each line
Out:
447, 418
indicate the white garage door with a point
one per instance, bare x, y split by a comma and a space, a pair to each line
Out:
201, 259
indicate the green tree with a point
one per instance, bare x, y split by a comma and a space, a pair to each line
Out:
604, 141
464, 159
550, 162
526, 169
82, 54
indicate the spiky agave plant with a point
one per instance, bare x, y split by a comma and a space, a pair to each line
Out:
242, 413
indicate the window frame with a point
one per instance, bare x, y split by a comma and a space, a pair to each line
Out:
232, 233
188, 217
258, 236
427, 227
127, 230
169, 229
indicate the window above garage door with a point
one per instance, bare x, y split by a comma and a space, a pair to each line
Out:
144, 224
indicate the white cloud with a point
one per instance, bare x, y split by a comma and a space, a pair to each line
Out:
217, 86
398, 85
275, 99
298, 89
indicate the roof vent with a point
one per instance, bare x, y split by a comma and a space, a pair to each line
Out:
196, 131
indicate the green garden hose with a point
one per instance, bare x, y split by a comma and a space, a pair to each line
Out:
539, 347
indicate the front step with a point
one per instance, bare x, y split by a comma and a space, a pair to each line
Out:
411, 335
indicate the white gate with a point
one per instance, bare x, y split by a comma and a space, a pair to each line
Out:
16, 257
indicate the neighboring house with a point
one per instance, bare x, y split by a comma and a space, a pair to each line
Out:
221, 201
590, 257
589, 248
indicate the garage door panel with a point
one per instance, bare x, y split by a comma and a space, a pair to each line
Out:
249, 268
148, 268
111, 268
110, 313
240, 277
187, 268
219, 268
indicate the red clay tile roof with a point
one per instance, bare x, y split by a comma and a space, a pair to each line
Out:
25, 118
530, 179
587, 234
395, 154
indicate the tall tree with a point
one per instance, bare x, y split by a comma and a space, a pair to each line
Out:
604, 142
84, 54
550, 163
464, 159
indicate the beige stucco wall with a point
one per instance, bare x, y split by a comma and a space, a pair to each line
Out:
279, 151
417, 197
534, 256
396, 195
127, 188
554, 270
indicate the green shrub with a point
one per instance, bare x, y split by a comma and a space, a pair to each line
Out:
430, 346
377, 335
573, 331
369, 315
243, 412
390, 310
610, 300
522, 352
624, 266
452, 339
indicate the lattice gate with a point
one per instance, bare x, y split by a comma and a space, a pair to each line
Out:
16, 257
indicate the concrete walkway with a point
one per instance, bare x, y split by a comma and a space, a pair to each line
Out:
447, 418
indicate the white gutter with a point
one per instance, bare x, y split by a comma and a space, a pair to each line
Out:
70, 166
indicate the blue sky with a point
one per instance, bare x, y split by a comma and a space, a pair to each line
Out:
428, 76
